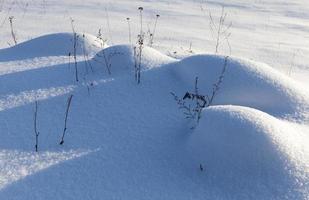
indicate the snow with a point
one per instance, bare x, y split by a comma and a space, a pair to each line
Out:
242, 148
58, 44
131, 141
122, 58
247, 83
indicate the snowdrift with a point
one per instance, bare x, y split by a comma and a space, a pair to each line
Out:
57, 44
246, 83
121, 59
251, 152
138, 133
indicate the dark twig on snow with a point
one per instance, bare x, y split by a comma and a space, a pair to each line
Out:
66, 118
201, 167
201, 101
102, 42
216, 86
75, 41
139, 49
129, 27
35, 126
154, 30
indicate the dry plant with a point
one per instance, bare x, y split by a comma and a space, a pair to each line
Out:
193, 103
139, 49
75, 43
152, 34
66, 118
129, 27
102, 43
86, 57
12, 29
108, 26
220, 30
35, 126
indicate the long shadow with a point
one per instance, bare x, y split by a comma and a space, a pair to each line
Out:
34, 79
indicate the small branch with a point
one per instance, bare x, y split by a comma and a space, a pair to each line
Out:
201, 101
75, 40
140, 43
102, 42
12, 30
66, 118
153, 32
220, 31
35, 126
129, 26
216, 86
108, 25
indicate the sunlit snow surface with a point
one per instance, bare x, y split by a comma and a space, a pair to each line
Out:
129, 141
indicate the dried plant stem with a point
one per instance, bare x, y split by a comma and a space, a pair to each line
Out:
220, 30
216, 86
75, 40
35, 127
201, 101
129, 26
140, 43
108, 26
12, 30
66, 118
154, 31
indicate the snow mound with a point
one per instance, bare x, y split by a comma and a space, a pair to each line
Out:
56, 44
246, 83
121, 58
245, 150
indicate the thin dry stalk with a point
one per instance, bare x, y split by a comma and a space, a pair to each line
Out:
12, 30
66, 118
35, 126
216, 86
102, 42
108, 26
154, 31
129, 27
75, 40
220, 30
140, 43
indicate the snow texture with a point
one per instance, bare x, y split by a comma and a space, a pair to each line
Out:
131, 141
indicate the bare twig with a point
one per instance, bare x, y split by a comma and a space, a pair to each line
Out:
12, 30
102, 42
201, 101
220, 30
154, 30
201, 167
35, 127
140, 43
216, 86
129, 26
75, 40
66, 118
108, 25
86, 57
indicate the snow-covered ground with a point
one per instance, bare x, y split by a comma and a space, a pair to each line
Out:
131, 141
